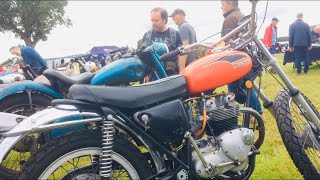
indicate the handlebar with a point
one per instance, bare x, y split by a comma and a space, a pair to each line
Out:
170, 55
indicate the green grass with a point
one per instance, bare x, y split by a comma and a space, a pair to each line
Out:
274, 161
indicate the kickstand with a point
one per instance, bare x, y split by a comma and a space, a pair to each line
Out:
30, 98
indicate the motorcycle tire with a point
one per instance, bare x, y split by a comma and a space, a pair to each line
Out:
57, 151
292, 139
19, 104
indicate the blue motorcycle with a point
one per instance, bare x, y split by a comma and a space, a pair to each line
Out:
26, 97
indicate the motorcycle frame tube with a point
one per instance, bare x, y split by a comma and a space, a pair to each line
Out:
293, 91
159, 66
267, 103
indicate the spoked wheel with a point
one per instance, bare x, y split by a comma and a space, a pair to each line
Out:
76, 156
299, 135
19, 104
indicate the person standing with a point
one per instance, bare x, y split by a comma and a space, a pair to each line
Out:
300, 42
187, 33
271, 35
233, 15
161, 33
30, 57
102, 61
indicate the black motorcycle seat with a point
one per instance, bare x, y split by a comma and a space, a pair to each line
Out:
54, 75
131, 97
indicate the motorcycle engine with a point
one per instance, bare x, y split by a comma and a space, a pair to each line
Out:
226, 147
226, 153
222, 114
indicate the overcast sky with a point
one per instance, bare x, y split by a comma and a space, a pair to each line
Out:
121, 23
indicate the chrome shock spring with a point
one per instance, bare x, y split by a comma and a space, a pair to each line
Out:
107, 143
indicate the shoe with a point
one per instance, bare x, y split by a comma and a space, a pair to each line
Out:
305, 73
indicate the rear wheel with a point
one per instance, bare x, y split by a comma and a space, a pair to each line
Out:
19, 104
79, 159
299, 135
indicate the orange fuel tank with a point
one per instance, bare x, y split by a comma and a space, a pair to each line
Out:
216, 70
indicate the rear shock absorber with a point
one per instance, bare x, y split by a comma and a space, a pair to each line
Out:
107, 143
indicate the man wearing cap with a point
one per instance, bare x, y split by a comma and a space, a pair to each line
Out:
187, 34
270, 36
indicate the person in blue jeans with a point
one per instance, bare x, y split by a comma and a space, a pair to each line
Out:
233, 15
300, 42
241, 97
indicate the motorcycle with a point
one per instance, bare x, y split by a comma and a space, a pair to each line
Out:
185, 133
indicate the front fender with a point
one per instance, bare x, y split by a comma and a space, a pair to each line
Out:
36, 123
17, 87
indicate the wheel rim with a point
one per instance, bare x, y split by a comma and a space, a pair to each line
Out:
309, 137
24, 109
68, 164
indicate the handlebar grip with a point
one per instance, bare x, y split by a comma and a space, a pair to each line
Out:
170, 55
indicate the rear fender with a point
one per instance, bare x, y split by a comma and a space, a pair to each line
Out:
18, 87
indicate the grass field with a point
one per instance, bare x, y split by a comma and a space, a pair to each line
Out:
274, 162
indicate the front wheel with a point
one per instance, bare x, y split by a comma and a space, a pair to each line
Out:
76, 156
299, 135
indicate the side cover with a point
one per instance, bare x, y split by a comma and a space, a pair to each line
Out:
168, 121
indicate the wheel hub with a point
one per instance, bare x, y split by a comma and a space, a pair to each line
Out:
310, 138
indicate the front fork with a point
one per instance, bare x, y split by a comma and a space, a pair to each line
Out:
293, 91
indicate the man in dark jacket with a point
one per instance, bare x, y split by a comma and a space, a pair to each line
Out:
300, 42
31, 57
233, 15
